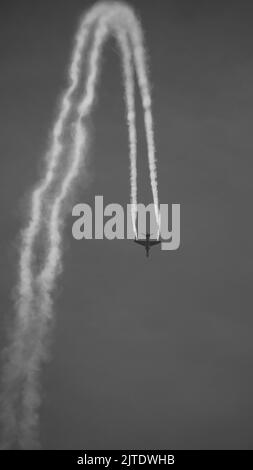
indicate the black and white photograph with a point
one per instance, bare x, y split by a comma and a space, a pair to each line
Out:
126, 165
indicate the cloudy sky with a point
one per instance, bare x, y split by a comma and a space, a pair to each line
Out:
153, 353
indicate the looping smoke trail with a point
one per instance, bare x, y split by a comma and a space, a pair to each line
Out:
21, 398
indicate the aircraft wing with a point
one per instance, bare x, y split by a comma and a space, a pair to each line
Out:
154, 242
141, 242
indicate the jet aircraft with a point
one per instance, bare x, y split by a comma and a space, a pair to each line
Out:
147, 243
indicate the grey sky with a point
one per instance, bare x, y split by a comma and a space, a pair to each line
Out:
145, 353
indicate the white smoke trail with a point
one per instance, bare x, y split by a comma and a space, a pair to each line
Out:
48, 275
139, 53
15, 366
130, 106
34, 312
52, 157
